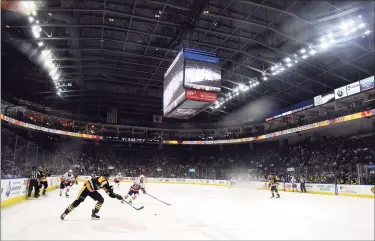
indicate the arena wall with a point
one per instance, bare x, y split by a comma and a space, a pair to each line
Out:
14, 190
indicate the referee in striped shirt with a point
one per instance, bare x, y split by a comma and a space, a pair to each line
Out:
33, 182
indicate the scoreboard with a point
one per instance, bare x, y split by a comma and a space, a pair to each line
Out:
191, 83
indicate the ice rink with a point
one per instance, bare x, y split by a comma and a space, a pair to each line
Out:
197, 212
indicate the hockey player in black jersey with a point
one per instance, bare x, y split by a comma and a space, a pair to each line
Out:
44, 173
90, 188
273, 182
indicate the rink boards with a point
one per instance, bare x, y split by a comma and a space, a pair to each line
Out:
14, 190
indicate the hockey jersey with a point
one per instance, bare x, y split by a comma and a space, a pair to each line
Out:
118, 177
68, 177
138, 185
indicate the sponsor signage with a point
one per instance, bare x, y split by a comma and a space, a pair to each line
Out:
340, 93
368, 83
200, 95
348, 189
323, 99
325, 187
353, 88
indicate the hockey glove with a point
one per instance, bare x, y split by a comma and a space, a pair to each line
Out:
112, 195
144, 191
119, 197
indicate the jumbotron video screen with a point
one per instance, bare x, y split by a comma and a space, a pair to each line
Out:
173, 84
202, 75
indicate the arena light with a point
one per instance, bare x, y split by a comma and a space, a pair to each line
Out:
287, 60
302, 51
46, 55
367, 32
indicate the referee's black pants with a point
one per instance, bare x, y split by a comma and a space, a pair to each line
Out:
33, 184
303, 187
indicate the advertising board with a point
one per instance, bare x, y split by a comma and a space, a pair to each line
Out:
340, 93
323, 99
353, 88
368, 83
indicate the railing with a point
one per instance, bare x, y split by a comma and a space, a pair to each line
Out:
18, 155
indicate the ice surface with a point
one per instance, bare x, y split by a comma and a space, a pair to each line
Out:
197, 212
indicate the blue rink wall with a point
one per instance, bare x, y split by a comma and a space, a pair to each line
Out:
13, 191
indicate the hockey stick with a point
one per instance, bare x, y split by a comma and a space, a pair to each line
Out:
158, 199
131, 205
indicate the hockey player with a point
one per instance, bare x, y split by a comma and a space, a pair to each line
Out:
294, 183
134, 189
90, 188
76, 179
118, 179
273, 182
232, 182
44, 173
67, 180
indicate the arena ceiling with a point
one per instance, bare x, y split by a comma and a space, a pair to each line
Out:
114, 53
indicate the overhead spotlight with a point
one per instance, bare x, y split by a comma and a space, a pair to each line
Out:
330, 35
206, 12
157, 16
367, 32
332, 41
111, 19
361, 25
264, 73
31, 19
344, 26
352, 30
265, 78
304, 56
322, 39
40, 44
351, 23
312, 52
289, 64
272, 68
302, 51
58, 93
273, 74
49, 14
295, 61
33, 13
324, 45
287, 59
159, 11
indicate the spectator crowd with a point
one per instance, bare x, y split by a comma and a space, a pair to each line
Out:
342, 160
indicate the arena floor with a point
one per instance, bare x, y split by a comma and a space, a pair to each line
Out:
197, 212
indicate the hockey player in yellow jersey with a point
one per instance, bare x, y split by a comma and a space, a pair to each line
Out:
273, 182
44, 173
90, 188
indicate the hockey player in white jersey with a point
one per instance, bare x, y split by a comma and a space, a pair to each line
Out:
134, 189
294, 183
232, 182
67, 180
118, 179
